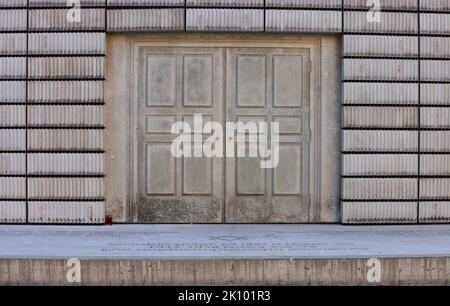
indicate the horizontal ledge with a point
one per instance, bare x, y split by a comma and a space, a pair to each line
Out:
175, 6
64, 55
399, 105
381, 57
415, 176
62, 7
418, 129
65, 79
41, 7
30, 127
52, 151
417, 58
382, 105
412, 34
13, 32
54, 103
394, 153
108, 6
51, 79
66, 200
51, 200
380, 33
99, 30
395, 81
31, 223
106, 30
397, 200
379, 200
54, 175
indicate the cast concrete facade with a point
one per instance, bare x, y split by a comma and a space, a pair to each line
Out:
395, 98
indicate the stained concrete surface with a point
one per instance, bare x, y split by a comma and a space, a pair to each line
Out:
197, 242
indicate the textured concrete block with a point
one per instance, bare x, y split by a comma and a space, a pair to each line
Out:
121, 20
435, 23
65, 188
66, 139
65, 163
377, 45
377, 117
12, 139
12, 187
438, 164
435, 141
65, 91
295, 20
435, 5
304, 3
12, 163
67, 212
381, 93
384, 4
434, 188
66, 43
435, 117
433, 46
51, 19
391, 141
436, 71
248, 20
380, 69
12, 67
12, 91
63, 3
379, 188
228, 3
303, 21
13, 3
66, 67
115, 3
379, 164
12, 212
379, 212
434, 212
435, 94
65, 115
12, 115
13, 43
13, 20
404, 23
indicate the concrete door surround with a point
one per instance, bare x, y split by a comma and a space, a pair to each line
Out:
120, 95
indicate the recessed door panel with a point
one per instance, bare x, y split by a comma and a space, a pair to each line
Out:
173, 85
269, 85
247, 86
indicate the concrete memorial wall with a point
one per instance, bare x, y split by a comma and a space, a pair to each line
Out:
395, 99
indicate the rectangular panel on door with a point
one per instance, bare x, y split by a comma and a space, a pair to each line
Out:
269, 85
173, 85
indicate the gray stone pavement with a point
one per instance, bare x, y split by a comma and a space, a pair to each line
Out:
223, 241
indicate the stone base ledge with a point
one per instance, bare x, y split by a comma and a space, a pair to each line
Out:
394, 271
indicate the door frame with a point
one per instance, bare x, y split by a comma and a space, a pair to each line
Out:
122, 200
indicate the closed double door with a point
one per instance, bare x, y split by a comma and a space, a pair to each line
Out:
247, 85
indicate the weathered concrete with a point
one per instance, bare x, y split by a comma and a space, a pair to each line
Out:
225, 254
169, 242
395, 271
125, 151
